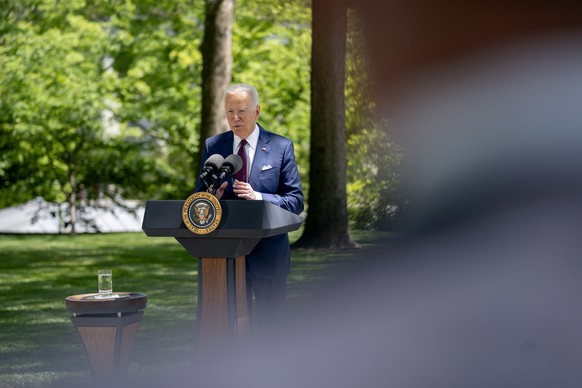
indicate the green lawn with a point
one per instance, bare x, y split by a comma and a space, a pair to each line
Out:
38, 344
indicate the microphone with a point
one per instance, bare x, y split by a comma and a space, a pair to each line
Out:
210, 168
231, 165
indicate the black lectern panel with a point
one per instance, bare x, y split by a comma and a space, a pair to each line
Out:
240, 219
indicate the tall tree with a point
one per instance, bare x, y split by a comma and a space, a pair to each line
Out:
55, 100
327, 218
271, 51
55, 92
216, 49
155, 55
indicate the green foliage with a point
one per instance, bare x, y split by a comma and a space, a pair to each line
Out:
271, 50
373, 198
51, 102
106, 94
103, 98
55, 93
373, 159
156, 58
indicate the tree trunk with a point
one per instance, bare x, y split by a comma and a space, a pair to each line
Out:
327, 219
72, 200
216, 49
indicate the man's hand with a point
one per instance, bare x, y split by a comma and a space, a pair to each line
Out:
220, 190
244, 190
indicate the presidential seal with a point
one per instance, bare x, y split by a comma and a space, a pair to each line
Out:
201, 213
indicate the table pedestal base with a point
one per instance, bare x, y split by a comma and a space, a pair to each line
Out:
108, 328
108, 341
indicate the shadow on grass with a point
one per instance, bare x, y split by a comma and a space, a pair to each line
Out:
38, 343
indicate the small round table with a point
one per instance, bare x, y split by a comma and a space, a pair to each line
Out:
107, 328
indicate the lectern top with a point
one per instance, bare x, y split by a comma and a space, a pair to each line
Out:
240, 219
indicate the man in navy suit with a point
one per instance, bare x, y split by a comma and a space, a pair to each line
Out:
271, 175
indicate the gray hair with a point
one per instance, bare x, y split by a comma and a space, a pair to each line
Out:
244, 88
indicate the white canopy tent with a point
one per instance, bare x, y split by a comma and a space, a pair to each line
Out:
40, 216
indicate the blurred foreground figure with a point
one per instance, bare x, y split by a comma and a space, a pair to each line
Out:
486, 99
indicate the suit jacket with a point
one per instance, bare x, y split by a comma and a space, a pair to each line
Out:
280, 185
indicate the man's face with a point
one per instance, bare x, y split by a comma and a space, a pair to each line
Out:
241, 114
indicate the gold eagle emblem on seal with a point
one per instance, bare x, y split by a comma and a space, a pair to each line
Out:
201, 213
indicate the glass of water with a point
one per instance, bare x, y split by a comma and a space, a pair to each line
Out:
105, 282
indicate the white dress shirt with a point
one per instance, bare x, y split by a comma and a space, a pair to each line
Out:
250, 149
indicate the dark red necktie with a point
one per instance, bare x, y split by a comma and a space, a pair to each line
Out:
241, 175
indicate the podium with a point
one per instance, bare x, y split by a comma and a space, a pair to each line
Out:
223, 313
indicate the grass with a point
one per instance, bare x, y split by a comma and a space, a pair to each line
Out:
38, 344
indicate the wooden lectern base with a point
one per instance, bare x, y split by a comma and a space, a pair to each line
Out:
222, 301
